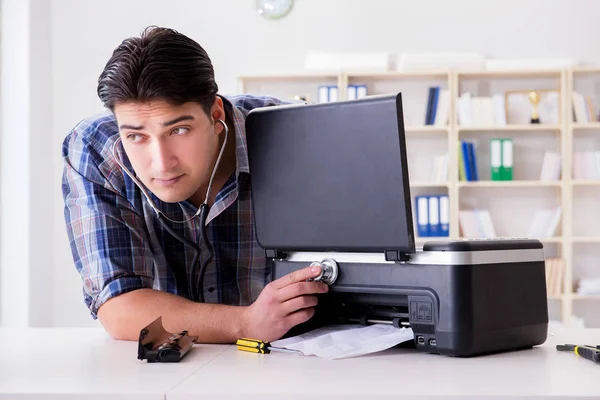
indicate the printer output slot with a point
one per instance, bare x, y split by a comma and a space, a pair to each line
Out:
370, 321
392, 315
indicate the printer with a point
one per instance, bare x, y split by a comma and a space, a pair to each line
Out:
330, 186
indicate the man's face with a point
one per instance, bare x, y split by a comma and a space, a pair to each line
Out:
171, 148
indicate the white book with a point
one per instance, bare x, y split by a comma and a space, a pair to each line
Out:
549, 108
487, 111
499, 110
538, 224
443, 176
469, 224
553, 222
579, 108
476, 108
485, 221
465, 113
551, 167
433, 173
443, 108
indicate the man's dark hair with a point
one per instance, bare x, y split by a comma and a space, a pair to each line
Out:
161, 64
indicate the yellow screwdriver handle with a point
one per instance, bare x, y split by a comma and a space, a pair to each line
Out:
252, 345
251, 349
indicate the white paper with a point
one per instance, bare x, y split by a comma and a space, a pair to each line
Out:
343, 341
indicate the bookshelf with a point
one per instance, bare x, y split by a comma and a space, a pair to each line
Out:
511, 203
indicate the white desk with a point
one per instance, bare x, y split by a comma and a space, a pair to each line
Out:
86, 363
534, 373
68, 363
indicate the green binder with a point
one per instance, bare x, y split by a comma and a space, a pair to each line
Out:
496, 159
507, 160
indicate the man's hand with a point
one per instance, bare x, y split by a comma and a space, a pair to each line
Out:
283, 304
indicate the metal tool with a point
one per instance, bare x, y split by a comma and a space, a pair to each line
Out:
590, 352
260, 346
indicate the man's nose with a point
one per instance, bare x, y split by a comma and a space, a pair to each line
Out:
163, 158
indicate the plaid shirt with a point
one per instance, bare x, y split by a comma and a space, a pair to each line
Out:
119, 245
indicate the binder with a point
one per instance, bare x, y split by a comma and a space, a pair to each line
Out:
352, 92
422, 216
461, 164
496, 159
434, 216
473, 161
323, 96
361, 91
333, 93
429, 106
444, 215
467, 161
507, 159
434, 105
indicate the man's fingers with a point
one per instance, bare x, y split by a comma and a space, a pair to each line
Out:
298, 303
300, 275
300, 316
300, 289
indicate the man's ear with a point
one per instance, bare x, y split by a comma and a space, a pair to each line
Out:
217, 112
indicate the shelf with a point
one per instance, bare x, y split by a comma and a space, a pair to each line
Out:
514, 74
426, 129
290, 77
584, 70
585, 239
512, 128
589, 126
507, 184
425, 184
563, 137
585, 182
400, 74
576, 296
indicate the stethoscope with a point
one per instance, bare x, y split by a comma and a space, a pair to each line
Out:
202, 212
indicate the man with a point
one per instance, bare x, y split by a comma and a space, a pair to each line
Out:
164, 108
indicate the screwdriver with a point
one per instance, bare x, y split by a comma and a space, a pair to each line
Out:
260, 346
585, 351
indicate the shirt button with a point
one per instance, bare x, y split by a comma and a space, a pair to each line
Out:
211, 289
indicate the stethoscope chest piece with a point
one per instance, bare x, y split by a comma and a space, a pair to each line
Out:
329, 271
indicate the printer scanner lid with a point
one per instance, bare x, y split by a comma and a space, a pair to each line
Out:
331, 176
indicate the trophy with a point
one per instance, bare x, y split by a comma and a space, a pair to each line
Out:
534, 99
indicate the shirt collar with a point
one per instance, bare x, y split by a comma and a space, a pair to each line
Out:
241, 147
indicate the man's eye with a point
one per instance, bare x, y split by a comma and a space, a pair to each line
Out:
134, 137
179, 131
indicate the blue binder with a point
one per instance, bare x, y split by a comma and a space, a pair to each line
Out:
422, 208
434, 216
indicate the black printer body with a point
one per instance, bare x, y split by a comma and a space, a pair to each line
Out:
461, 298
330, 182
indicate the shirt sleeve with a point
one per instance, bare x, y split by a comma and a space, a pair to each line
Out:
107, 236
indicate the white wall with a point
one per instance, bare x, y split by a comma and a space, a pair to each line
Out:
26, 180
84, 33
